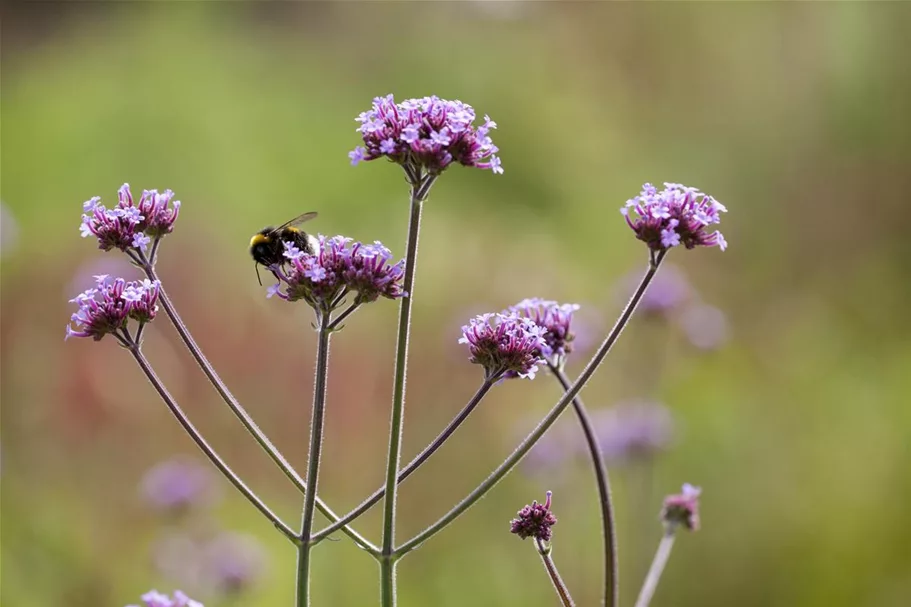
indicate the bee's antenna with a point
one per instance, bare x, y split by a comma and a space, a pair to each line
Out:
256, 265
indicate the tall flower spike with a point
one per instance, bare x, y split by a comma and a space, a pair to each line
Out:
556, 319
505, 344
535, 521
428, 133
677, 215
153, 598
107, 307
682, 508
337, 268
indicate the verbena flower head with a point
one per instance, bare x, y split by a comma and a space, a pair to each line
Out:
535, 521
705, 326
505, 344
178, 484
677, 215
428, 133
108, 306
668, 291
233, 562
682, 509
632, 429
129, 225
556, 319
339, 266
153, 598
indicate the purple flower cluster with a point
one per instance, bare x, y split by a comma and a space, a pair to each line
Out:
429, 133
677, 215
535, 521
178, 484
506, 345
153, 598
555, 318
130, 225
633, 429
339, 267
107, 307
682, 509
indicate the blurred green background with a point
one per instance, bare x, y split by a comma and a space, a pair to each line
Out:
797, 426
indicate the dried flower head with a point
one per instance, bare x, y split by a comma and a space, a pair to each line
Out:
153, 598
535, 521
555, 318
506, 345
429, 134
107, 307
178, 484
128, 225
682, 509
338, 268
677, 215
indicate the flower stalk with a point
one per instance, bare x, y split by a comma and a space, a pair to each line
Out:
559, 585
611, 590
316, 442
420, 188
526, 445
657, 568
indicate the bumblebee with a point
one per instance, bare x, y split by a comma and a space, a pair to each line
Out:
267, 246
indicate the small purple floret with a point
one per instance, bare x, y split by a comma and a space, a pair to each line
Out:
682, 509
535, 521
340, 266
107, 307
505, 344
556, 319
428, 133
153, 598
677, 215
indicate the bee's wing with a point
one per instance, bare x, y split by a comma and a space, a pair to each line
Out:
296, 221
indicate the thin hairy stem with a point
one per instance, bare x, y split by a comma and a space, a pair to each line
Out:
241, 413
429, 450
526, 445
316, 443
143, 362
611, 590
655, 571
419, 189
559, 585
345, 314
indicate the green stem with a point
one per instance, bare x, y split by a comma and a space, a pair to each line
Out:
448, 431
559, 585
611, 590
207, 449
239, 412
420, 186
316, 444
529, 442
654, 573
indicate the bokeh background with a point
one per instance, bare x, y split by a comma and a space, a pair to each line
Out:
776, 375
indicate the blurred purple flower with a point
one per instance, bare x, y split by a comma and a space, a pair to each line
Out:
177, 557
178, 484
682, 509
9, 230
428, 133
668, 291
505, 344
632, 429
705, 326
556, 319
232, 562
107, 307
677, 215
534, 520
339, 267
153, 598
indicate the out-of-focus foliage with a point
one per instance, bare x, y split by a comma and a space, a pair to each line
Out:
797, 427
